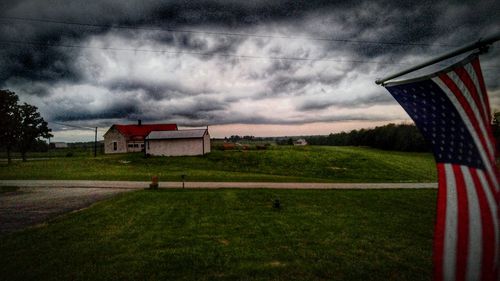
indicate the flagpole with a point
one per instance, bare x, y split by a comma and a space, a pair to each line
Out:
479, 44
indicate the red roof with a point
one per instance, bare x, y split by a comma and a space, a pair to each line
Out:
139, 132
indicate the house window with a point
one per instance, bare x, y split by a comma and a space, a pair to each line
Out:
115, 146
136, 145
142, 145
130, 145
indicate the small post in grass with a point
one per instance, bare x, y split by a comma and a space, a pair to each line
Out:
277, 204
154, 182
183, 180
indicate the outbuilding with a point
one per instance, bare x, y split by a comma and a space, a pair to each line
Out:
130, 138
178, 143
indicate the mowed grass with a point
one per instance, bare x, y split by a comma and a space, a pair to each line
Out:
280, 164
232, 235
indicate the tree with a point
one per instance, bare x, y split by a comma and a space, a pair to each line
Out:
33, 127
10, 120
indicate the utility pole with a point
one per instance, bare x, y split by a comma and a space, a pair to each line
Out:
95, 143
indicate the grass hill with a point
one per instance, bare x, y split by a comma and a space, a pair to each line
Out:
277, 163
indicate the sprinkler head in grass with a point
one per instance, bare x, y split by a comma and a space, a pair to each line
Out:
277, 204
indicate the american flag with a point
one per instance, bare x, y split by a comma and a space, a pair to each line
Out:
452, 111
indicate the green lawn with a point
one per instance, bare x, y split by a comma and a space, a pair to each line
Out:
232, 235
281, 164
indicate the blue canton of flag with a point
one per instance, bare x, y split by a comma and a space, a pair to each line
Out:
439, 122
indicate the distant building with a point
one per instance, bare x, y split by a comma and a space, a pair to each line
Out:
178, 143
130, 138
300, 142
58, 145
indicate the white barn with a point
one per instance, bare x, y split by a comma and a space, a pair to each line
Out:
178, 143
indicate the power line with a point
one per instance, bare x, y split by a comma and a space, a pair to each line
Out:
209, 55
175, 30
193, 53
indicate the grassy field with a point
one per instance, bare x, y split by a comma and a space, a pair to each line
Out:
232, 235
279, 164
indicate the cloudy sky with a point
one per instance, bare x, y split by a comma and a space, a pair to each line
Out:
265, 68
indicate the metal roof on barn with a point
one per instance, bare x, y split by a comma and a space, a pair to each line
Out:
181, 134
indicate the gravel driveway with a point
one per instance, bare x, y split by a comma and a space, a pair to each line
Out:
29, 206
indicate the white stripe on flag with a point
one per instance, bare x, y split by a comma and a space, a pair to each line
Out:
472, 73
493, 208
474, 256
468, 123
451, 225
475, 110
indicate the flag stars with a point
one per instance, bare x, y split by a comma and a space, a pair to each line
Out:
439, 121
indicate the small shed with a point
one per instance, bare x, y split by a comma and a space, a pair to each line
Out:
300, 142
58, 145
178, 143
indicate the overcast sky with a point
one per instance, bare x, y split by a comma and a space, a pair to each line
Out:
265, 68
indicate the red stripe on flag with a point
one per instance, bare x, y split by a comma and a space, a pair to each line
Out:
488, 233
439, 228
479, 74
477, 96
465, 105
471, 87
463, 224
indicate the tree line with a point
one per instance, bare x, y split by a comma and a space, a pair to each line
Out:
21, 125
401, 137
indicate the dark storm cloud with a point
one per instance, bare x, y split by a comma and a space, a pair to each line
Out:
155, 90
290, 85
112, 112
381, 98
260, 119
42, 62
35, 69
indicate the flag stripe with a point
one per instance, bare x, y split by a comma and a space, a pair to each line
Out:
474, 251
453, 113
485, 179
450, 242
439, 230
485, 104
463, 96
467, 122
488, 231
477, 67
478, 93
467, 105
469, 90
462, 226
